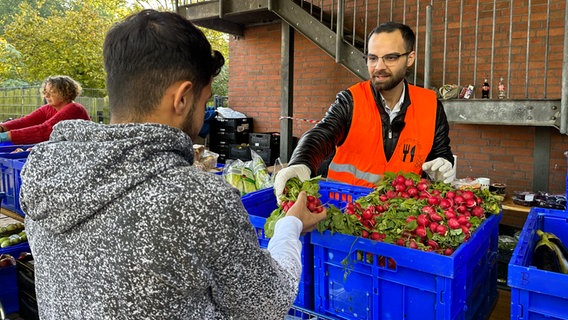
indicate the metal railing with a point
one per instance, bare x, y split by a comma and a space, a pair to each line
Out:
519, 42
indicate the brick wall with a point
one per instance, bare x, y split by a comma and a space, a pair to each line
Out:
504, 153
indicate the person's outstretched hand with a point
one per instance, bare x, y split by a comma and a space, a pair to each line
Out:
440, 169
298, 170
301, 211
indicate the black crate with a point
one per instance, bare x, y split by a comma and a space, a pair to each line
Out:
28, 307
26, 282
259, 140
231, 131
240, 125
220, 137
504, 253
26, 289
221, 148
266, 155
240, 151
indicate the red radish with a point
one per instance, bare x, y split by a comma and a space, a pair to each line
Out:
420, 231
435, 217
477, 211
391, 194
375, 236
433, 244
445, 204
433, 226
441, 230
412, 244
450, 194
399, 188
410, 218
400, 242
468, 195
409, 182
428, 210
400, 179
433, 201
453, 223
448, 251
470, 203
459, 200
462, 220
364, 234
383, 197
450, 214
412, 191
422, 186
461, 209
367, 214
422, 220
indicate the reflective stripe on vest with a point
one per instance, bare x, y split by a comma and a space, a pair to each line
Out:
347, 168
361, 160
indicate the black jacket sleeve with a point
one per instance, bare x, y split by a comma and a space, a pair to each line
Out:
441, 146
318, 144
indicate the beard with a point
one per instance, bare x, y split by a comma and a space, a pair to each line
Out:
188, 124
393, 81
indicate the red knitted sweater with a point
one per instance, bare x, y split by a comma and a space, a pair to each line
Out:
36, 126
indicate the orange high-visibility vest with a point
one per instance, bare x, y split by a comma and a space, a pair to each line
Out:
361, 159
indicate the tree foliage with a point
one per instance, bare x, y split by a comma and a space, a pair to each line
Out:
51, 37
68, 41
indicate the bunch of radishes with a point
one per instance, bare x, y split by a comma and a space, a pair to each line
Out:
314, 204
413, 212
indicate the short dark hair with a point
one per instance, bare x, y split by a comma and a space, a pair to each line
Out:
407, 34
149, 51
65, 86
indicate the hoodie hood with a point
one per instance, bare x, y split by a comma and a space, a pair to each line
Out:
68, 179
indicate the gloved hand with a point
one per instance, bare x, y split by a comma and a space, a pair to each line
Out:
4, 137
440, 169
298, 170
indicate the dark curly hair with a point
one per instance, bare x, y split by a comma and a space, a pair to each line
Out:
65, 86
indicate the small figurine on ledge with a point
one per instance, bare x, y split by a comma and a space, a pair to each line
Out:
501, 89
485, 90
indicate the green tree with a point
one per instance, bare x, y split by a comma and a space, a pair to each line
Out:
66, 42
220, 42
11, 8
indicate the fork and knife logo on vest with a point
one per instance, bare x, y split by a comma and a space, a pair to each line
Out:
406, 151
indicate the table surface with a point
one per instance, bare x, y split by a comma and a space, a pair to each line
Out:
11, 214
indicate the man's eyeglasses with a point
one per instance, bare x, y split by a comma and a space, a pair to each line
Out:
388, 59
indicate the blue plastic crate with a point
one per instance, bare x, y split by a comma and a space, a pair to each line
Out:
9, 278
260, 204
535, 293
11, 182
9, 291
357, 278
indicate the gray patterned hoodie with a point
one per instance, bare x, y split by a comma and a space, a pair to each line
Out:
122, 226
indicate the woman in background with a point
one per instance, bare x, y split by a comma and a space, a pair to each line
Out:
59, 92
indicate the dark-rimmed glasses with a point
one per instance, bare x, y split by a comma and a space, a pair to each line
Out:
388, 59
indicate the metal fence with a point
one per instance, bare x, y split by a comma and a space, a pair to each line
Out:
18, 102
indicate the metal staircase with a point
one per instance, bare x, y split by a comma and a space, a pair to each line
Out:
347, 47
233, 15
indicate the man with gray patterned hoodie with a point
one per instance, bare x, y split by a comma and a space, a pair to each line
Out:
123, 226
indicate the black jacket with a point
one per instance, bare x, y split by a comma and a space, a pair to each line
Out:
317, 146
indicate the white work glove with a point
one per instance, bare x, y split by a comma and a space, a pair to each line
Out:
440, 169
298, 170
